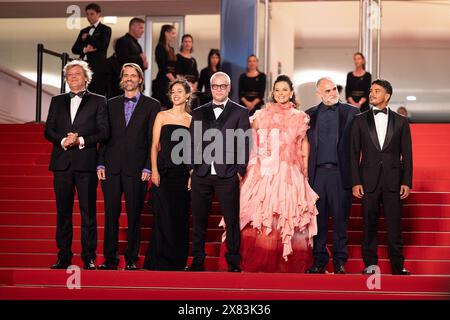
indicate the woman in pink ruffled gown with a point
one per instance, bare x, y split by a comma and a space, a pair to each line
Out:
278, 211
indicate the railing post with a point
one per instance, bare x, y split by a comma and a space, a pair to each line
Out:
40, 53
64, 59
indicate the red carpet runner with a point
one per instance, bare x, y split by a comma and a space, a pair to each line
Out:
27, 245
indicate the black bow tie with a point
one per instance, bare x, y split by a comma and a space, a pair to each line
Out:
220, 106
79, 94
377, 111
134, 99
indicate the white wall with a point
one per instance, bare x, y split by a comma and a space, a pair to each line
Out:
18, 99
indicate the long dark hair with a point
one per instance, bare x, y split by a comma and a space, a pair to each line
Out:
211, 53
163, 41
362, 56
187, 35
187, 89
285, 78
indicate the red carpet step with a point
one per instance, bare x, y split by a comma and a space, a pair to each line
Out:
45, 284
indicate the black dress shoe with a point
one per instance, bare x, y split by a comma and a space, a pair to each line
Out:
61, 264
234, 269
316, 269
89, 265
339, 270
131, 266
107, 266
195, 267
402, 272
368, 270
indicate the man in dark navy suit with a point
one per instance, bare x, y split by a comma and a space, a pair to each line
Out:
221, 175
92, 46
329, 172
77, 121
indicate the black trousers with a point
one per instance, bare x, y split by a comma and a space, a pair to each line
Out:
392, 206
134, 190
334, 201
202, 191
85, 183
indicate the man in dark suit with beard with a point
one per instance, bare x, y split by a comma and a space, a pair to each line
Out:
124, 164
92, 46
222, 172
76, 123
329, 172
381, 159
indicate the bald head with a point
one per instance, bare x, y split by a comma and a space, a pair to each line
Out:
327, 91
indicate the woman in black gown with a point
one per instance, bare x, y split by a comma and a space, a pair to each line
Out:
166, 61
252, 86
358, 84
169, 244
186, 67
205, 76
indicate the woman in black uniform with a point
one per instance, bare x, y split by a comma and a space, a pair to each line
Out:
205, 76
166, 60
252, 86
358, 84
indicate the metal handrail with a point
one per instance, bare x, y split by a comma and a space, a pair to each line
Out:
40, 57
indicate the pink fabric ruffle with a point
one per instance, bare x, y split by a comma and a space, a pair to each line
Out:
275, 193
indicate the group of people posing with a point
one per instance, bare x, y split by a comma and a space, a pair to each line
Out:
278, 177
92, 45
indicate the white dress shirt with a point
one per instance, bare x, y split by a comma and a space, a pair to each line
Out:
91, 32
217, 113
381, 122
74, 105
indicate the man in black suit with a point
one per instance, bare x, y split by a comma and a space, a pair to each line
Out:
381, 158
76, 122
92, 46
128, 48
329, 172
217, 167
124, 164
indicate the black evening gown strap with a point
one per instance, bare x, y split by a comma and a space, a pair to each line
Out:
169, 243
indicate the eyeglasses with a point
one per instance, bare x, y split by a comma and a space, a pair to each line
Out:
217, 86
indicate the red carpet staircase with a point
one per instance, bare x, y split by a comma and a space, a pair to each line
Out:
27, 245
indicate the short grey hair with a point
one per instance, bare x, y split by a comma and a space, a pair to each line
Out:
220, 74
323, 79
83, 65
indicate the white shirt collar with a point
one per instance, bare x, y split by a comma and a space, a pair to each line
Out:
224, 103
96, 24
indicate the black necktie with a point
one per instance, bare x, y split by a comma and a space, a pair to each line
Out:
220, 106
377, 111
80, 94
130, 99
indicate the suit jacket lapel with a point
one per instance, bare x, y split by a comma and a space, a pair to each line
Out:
373, 129
209, 116
390, 129
84, 100
137, 109
342, 121
313, 125
67, 109
224, 115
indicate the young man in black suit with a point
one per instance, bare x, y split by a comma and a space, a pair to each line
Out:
124, 164
381, 158
329, 172
92, 46
76, 123
221, 175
